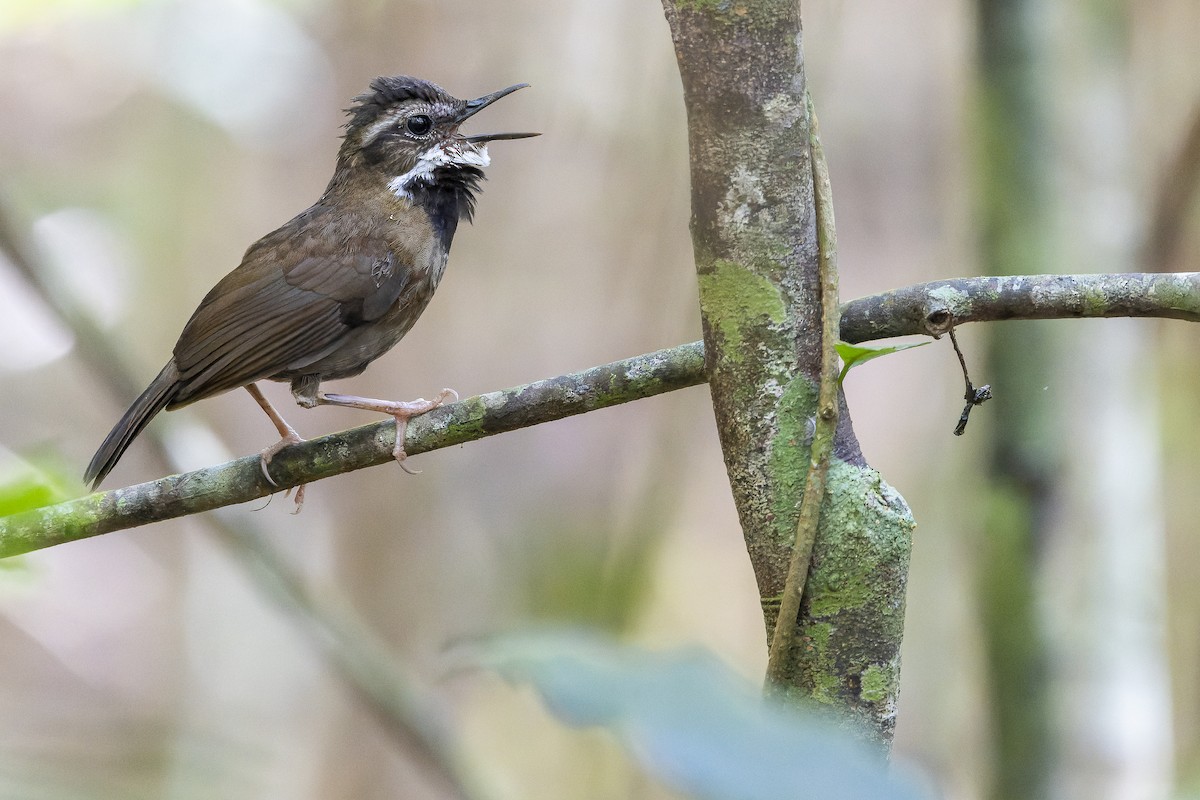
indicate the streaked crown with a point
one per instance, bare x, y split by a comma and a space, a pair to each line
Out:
401, 121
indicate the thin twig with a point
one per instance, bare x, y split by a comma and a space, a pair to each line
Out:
779, 657
973, 396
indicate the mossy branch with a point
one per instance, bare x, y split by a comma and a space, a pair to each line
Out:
920, 309
242, 480
931, 308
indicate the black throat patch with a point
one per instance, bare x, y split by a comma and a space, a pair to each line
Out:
447, 197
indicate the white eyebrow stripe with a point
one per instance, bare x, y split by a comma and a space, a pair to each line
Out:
379, 127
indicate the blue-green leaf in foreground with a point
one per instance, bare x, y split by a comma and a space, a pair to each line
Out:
854, 354
694, 724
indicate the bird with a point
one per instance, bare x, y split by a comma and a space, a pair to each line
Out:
341, 283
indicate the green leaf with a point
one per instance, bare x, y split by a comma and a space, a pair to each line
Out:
24, 486
854, 354
693, 723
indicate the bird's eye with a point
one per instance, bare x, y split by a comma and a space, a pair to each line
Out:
419, 124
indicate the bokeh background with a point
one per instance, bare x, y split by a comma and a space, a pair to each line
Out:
1052, 644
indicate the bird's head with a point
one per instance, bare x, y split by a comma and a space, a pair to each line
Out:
408, 130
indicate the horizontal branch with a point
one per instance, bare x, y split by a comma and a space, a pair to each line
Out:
931, 308
242, 480
927, 309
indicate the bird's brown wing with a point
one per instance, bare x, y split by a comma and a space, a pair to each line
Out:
292, 300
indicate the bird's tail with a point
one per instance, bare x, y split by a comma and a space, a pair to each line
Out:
157, 396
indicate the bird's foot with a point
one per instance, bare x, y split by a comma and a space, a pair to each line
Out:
400, 411
290, 438
267, 453
403, 412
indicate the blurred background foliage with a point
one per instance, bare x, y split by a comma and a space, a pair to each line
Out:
146, 143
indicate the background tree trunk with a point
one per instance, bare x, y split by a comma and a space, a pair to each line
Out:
1013, 174
1102, 588
1072, 552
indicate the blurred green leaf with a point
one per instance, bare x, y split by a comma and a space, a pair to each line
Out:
24, 485
854, 354
694, 724
574, 573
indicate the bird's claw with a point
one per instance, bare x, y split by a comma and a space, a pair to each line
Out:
264, 461
299, 498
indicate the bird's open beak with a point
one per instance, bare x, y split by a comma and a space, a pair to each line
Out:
475, 106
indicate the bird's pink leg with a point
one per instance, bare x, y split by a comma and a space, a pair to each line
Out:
400, 411
287, 436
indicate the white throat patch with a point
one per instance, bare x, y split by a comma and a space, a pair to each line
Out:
446, 154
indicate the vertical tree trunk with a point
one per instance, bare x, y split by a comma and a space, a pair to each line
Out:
1104, 563
1013, 168
753, 230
